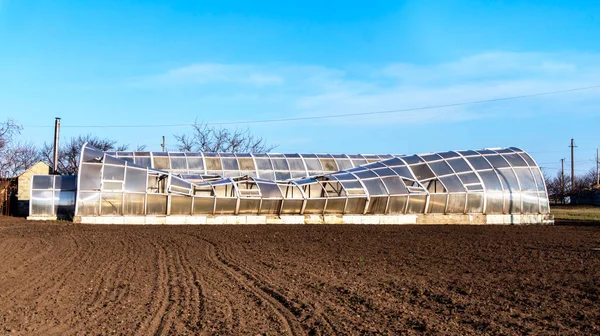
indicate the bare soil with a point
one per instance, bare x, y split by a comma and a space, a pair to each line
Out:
63, 278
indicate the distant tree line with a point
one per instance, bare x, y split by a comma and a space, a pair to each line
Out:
17, 156
584, 185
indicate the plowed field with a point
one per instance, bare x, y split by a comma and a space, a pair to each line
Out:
62, 278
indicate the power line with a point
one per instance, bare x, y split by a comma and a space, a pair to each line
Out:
339, 115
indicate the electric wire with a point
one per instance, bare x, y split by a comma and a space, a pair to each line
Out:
344, 115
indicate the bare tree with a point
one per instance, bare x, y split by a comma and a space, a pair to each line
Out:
15, 157
68, 153
8, 129
205, 138
19, 157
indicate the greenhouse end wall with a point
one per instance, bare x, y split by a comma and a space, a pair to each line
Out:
490, 186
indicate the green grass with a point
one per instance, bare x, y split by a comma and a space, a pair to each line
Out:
576, 212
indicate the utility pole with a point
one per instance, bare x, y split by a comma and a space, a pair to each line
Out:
572, 165
163, 144
56, 133
562, 180
597, 169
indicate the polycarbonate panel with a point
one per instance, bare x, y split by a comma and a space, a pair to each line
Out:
377, 205
314, 206
88, 204
530, 203
456, 203
92, 154
397, 204
403, 171
508, 178
395, 185
447, 155
195, 163
267, 175
270, 206
282, 175
345, 177
494, 203
416, 204
116, 173
213, 163
469, 178
112, 186
490, 180
412, 159
356, 205
134, 204
512, 202
359, 162
435, 186
515, 160
329, 165
42, 182
335, 205
292, 206
181, 205
459, 165
528, 158
230, 164
541, 185
344, 164
64, 182
437, 203
475, 203
156, 204
430, 157
296, 164
203, 205
42, 202
269, 190
544, 205
366, 174
249, 206
90, 176
225, 206
479, 163
440, 168
313, 164
161, 162
352, 185
135, 180
452, 183
143, 161
264, 164
526, 179
178, 163
246, 164
497, 161
280, 163
112, 204
422, 171
375, 187
64, 203
383, 172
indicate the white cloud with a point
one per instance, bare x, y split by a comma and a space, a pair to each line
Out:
296, 90
212, 73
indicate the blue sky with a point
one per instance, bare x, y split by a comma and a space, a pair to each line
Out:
171, 62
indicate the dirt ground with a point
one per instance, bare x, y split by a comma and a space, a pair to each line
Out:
63, 278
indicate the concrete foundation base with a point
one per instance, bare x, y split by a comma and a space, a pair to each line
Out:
42, 218
317, 219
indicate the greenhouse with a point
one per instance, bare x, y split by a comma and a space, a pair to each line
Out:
122, 187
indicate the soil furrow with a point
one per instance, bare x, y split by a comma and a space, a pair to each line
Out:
289, 324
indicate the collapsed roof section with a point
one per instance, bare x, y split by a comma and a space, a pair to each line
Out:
487, 181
